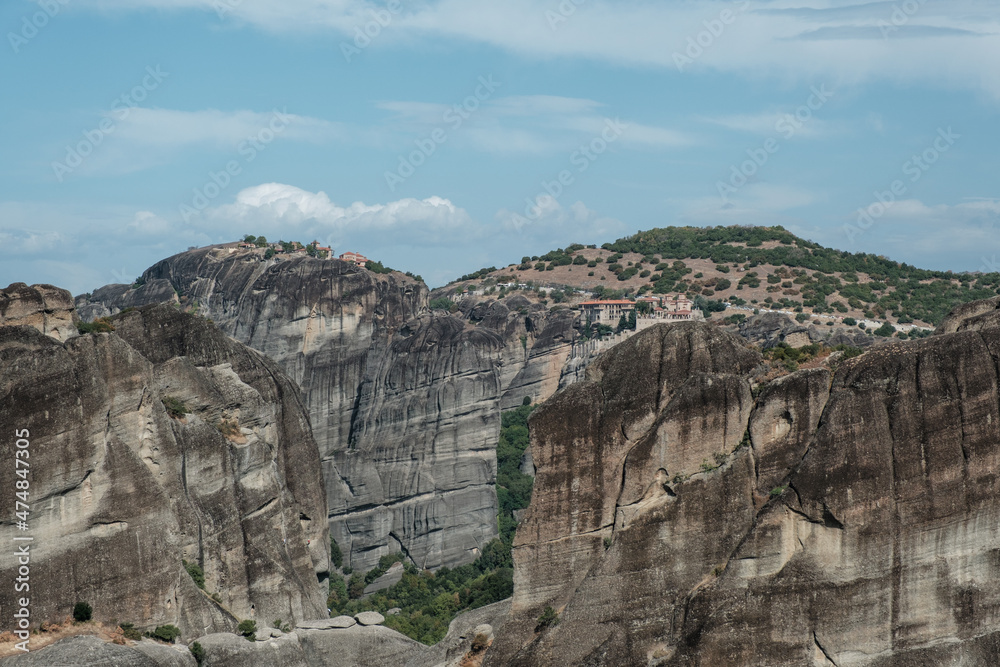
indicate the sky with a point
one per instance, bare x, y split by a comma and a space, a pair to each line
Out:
442, 136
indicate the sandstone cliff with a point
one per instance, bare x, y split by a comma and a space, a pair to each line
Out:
404, 402
683, 517
44, 307
124, 485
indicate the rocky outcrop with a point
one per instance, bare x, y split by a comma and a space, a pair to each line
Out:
846, 520
974, 316
44, 307
418, 472
162, 441
91, 651
404, 404
767, 330
312, 644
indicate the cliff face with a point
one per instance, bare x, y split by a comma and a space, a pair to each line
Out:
404, 408
44, 307
832, 520
121, 491
404, 403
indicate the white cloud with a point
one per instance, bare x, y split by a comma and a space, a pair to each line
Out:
421, 221
951, 42
528, 125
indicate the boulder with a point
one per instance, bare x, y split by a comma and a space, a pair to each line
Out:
369, 618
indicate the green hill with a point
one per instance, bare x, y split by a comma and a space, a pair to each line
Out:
765, 266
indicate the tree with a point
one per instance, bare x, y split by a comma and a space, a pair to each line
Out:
261, 241
82, 612
249, 238
886, 330
336, 555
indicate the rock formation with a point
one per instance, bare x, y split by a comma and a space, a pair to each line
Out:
683, 517
162, 441
311, 644
44, 307
404, 403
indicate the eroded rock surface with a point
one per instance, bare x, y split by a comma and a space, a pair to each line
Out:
44, 307
122, 489
404, 403
832, 520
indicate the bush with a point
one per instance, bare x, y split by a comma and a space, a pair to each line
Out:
197, 574
175, 406
82, 612
442, 303
130, 631
248, 629
548, 619
336, 555
166, 633
197, 651
100, 325
228, 427
886, 330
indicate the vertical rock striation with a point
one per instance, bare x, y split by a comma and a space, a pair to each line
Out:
161, 442
844, 519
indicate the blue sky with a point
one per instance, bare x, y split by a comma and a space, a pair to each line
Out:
434, 134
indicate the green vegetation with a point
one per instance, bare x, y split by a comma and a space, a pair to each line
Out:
336, 555
481, 273
548, 619
197, 652
197, 574
430, 600
377, 267
175, 406
165, 633
904, 291
443, 303
82, 612
100, 325
248, 629
129, 631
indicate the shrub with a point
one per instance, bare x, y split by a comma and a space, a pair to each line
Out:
480, 642
175, 406
607, 543
166, 633
336, 555
886, 330
442, 303
82, 612
548, 619
197, 574
248, 629
130, 631
228, 427
197, 651
100, 325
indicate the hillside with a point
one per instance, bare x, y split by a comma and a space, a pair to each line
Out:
752, 267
